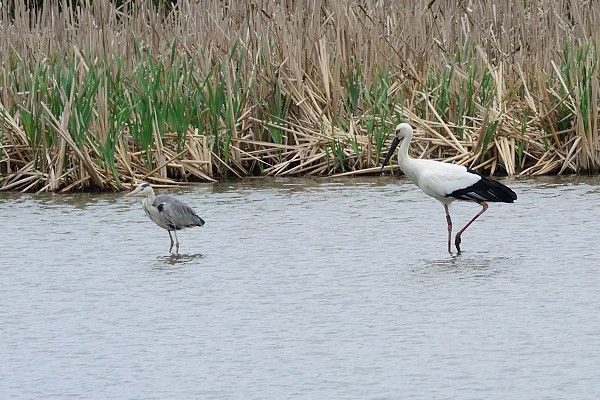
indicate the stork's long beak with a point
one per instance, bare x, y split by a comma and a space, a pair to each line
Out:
393, 146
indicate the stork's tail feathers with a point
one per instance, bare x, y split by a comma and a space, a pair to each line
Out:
485, 189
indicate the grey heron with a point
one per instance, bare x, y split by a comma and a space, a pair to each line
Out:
167, 212
447, 182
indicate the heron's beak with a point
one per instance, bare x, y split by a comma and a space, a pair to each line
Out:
393, 146
137, 189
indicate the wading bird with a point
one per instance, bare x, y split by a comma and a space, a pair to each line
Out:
167, 212
447, 182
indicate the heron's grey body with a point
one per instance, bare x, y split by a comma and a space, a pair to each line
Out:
170, 213
167, 212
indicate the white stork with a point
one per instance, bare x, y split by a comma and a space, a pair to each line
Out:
447, 182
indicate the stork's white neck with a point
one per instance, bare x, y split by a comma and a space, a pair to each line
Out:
404, 160
403, 156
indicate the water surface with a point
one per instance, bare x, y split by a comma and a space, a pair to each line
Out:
303, 289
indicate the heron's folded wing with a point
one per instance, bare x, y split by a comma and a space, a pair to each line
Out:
177, 213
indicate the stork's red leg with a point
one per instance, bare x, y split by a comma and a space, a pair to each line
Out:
457, 238
449, 221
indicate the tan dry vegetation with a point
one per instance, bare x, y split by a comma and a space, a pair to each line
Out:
90, 96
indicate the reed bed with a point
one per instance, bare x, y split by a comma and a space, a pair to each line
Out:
98, 95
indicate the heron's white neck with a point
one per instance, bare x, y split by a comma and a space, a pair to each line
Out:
150, 196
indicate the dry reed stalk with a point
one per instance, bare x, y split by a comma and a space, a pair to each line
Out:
292, 88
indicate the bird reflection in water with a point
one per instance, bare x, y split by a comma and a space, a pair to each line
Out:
474, 267
177, 259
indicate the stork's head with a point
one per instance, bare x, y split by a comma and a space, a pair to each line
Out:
142, 189
403, 131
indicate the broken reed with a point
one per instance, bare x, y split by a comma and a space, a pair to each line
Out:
205, 91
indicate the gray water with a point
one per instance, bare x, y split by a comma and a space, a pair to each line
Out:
302, 289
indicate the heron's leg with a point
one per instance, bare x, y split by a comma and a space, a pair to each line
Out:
457, 238
449, 220
176, 243
170, 237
